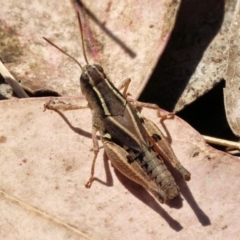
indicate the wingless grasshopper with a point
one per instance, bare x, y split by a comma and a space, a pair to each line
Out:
134, 144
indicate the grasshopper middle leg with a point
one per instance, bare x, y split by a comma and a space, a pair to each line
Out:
96, 151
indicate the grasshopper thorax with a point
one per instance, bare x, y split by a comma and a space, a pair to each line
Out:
102, 96
91, 77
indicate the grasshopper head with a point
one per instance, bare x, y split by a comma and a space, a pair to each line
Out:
91, 76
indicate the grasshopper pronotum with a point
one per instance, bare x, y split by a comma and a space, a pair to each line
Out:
135, 146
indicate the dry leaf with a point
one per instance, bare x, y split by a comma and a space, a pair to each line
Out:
128, 47
211, 34
195, 58
46, 159
232, 90
46, 156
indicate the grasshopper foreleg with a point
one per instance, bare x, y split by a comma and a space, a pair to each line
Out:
124, 85
61, 105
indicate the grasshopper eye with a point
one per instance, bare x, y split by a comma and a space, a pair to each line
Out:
84, 77
98, 67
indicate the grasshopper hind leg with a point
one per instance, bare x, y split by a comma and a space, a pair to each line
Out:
161, 145
124, 85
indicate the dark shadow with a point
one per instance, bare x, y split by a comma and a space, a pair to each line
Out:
167, 134
2, 97
186, 193
43, 93
140, 193
201, 216
197, 23
79, 5
207, 115
75, 129
22, 92
2, 81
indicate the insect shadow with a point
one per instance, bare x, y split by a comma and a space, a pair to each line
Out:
117, 40
144, 196
75, 129
177, 203
201, 216
187, 194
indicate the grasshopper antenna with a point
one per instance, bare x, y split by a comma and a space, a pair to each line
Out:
74, 59
81, 33
82, 39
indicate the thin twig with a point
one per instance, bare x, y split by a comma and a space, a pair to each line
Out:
17, 88
222, 142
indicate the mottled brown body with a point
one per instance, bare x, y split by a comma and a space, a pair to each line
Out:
129, 139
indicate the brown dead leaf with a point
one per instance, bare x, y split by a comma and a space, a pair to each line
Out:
46, 156
195, 58
46, 159
208, 48
128, 47
232, 90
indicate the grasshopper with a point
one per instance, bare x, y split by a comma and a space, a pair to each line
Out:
134, 144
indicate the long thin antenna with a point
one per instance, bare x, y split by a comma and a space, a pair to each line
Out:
81, 32
74, 59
